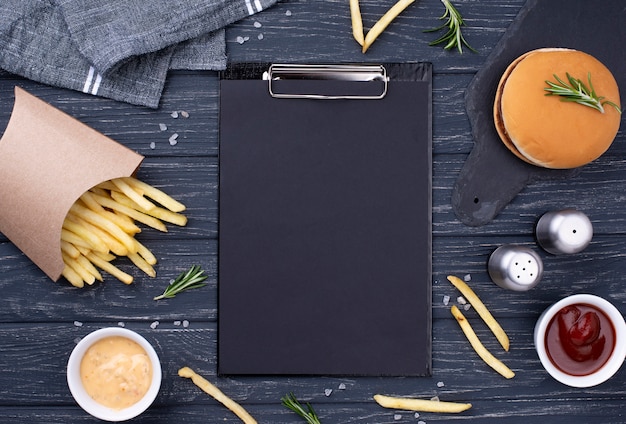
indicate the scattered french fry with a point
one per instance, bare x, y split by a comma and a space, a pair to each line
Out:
421, 405
482, 310
480, 349
357, 21
98, 227
384, 22
207, 387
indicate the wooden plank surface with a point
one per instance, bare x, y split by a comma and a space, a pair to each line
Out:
40, 320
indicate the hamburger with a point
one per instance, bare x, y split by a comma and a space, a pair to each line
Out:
545, 130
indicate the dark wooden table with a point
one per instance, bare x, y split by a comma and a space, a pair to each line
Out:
40, 320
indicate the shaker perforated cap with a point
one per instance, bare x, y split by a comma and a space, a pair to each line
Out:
515, 267
564, 232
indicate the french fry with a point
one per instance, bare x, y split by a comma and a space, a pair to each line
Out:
421, 405
73, 239
207, 387
482, 310
85, 263
156, 212
145, 253
73, 277
384, 22
480, 349
82, 272
128, 226
155, 194
91, 239
69, 249
357, 21
99, 221
142, 264
111, 242
131, 193
110, 268
146, 219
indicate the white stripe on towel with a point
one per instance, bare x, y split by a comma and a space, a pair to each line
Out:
88, 88
250, 9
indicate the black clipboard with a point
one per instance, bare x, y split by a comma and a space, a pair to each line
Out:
325, 220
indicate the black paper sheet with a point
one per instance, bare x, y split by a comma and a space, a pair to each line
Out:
325, 231
492, 176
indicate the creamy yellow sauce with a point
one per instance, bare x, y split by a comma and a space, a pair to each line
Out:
116, 372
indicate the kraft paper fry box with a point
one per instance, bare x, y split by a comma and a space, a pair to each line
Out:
48, 159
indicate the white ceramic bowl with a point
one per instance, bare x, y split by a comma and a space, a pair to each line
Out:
82, 397
613, 363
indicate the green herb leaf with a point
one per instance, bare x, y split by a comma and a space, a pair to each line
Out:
191, 279
453, 37
308, 414
574, 90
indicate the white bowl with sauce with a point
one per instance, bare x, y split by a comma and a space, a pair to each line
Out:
571, 351
129, 365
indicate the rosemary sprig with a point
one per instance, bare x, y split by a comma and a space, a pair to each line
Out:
292, 403
453, 37
576, 91
191, 279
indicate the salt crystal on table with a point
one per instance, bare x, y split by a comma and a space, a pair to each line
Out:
173, 139
342, 386
176, 323
121, 324
446, 300
421, 422
240, 39
162, 127
435, 398
416, 415
288, 13
260, 36
78, 323
185, 323
440, 384
461, 300
467, 307
467, 278
174, 114
257, 24
328, 392
397, 417
152, 145
154, 325
184, 114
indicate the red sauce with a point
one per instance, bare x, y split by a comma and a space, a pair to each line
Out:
579, 339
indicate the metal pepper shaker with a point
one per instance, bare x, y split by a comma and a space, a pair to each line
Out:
564, 231
515, 267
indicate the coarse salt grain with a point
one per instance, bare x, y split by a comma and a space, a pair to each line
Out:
185, 323
461, 300
446, 300
416, 415
342, 386
257, 24
328, 392
174, 114
421, 422
397, 417
240, 39
176, 323
435, 398
440, 384
467, 278
288, 13
184, 114
467, 306
152, 145
163, 127
173, 139
154, 324
260, 36
121, 324
78, 324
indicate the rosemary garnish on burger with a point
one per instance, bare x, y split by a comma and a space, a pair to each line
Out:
574, 90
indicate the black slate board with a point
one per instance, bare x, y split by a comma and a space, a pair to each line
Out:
492, 176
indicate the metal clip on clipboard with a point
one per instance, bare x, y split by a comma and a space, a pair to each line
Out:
360, 82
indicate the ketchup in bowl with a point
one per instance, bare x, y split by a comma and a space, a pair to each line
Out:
579, 339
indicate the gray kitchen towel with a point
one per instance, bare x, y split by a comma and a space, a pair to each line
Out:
120, 49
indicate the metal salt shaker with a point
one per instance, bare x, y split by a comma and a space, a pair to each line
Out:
564, 231
515, 267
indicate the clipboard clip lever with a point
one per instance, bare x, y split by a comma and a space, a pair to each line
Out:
298, 81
